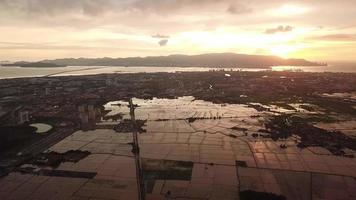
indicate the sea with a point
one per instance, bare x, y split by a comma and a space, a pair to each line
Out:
21, 72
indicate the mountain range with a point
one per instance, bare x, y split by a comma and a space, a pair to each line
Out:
230, 60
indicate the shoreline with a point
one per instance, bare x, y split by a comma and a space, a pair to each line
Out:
25, 72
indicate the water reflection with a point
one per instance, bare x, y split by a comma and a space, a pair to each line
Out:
181, 108
170, 118
41, 127
16, 72
192, 149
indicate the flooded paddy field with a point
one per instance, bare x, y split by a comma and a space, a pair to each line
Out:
211, 135
195, 149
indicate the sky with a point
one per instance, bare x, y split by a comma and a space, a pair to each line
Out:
318, 30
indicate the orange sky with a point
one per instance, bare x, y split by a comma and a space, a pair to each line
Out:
318, 30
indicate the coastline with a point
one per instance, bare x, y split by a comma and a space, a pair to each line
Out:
21, 72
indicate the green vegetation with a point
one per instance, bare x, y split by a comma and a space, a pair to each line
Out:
125, 126
284, 126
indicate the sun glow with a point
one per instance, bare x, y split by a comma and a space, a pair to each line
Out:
282, 50
225, 40
290, 9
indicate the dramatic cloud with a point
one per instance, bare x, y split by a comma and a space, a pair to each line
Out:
279, 29
163, 42
99, 7
38, 29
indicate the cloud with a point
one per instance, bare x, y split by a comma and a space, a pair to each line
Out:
164, 15
159, 36
145, 24
336, 37
238, 9
163, 39
163, 42
53, 8
279, 29
173, 6
92, 8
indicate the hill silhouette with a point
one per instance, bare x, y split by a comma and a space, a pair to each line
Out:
230, 60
